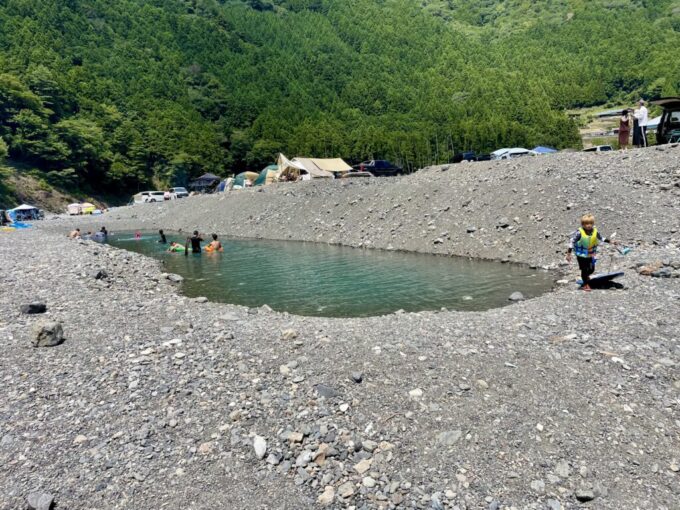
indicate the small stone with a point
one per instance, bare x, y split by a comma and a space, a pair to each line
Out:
100, 274
289, 334
327, 496
175, 278
205, 448
516, 296
284, 370
674, 467
273, 459
260, 446
326, 391
539, 427
48, 334
416, 394
369, 482
584, 495
363, 466
449, 437
201, 299
304, 458
538, 485
40, 501
563, 469
344, 408
553, 504
482, 384
33, 308
346, 490
369, 446
295, 437
357, 377
80, 439
471, 229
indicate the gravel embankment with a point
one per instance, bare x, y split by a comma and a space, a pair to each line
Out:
154, 400
521, 210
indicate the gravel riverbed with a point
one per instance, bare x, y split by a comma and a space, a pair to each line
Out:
154, 400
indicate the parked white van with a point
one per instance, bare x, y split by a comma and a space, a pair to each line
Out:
146, 197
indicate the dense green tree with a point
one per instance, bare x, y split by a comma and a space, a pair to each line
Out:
123, 94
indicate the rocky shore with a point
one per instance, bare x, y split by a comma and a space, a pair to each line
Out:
153, 400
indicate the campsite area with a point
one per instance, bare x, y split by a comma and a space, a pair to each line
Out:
155, 400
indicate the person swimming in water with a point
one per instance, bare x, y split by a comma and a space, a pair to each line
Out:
214, 245
162, 240
176, 248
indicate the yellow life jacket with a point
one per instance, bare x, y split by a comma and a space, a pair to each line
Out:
587, 245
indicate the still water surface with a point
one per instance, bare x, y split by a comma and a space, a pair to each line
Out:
334, 281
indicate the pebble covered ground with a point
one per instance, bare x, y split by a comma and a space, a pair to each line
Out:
152, 400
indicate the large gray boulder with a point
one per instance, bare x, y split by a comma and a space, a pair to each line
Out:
48, 334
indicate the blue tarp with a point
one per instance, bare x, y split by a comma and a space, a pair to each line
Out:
544, 150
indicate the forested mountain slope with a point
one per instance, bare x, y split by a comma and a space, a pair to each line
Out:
121, 93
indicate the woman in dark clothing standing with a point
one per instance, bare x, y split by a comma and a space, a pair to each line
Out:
624, 129
637, 133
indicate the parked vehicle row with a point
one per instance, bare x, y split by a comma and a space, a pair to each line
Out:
146, 197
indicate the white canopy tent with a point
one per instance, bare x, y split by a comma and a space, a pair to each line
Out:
315, 168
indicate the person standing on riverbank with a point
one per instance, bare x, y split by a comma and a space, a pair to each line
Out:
624, 129
584, 243
641, 115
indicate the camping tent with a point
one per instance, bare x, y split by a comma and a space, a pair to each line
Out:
240, 179
544, 150
24, 212
267, 176
315, 168
204, 182
87, 208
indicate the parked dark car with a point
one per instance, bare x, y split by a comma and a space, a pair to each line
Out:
379, 168
464, 156
668, 130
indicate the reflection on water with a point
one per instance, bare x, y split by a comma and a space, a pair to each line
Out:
335, 281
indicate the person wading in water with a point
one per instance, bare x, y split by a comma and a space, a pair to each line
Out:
195, 241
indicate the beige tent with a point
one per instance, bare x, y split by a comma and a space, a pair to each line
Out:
314, 167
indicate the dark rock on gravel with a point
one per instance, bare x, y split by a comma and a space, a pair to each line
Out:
33, 308
326, 391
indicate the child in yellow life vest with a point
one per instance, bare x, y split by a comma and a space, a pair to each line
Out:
584, 243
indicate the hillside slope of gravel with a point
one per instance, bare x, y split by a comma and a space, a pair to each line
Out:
155, 400
521, 210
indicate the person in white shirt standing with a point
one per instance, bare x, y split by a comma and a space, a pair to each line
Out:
641, 115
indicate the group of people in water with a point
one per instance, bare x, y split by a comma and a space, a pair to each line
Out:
192, 244
101, 236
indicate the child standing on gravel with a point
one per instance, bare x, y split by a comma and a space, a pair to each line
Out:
584, 243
